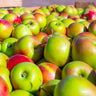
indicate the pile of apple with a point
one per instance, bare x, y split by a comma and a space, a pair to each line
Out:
50, 51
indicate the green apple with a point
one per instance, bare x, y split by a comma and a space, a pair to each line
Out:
4, 73
32, 25
7, 46
60, 8
86, 23
55, 26
3, 61
20, 93
20, 31
48, 88
67, 21
30, 46
80, 11
26, 76
4, 11
50, 18
75, 86
79, 68
2, 15
46, 11
57, 50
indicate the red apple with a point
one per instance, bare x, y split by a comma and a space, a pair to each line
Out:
16, 59
13, 19
49, 71
5, 29
4, 91
64, 15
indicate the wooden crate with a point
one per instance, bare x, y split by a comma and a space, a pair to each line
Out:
10, 3
83, 4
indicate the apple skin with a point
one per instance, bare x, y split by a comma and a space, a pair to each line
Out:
32, 25
64, 15
18, 59
54, 13
60, 55
29, 46
83, 49
48, 88
26, 76
20, 93
83, 87
49, 71
79, 68
7, 46
20, 31
74, 29
60, 8
4, 91
55, 26
2, 15
26, 15
5, 29
67, 22
89, 15
5, 74
50, 18
92, 27
4, 11
40, 36
41, 19
13, 19
46, 11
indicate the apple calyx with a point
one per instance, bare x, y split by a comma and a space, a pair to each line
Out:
24, 75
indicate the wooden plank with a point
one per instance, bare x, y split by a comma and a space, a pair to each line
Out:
83, 4
10, 3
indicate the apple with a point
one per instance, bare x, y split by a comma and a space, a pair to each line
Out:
80, 11
54, 13
67, 22
20, 31
18, 59
49, 71
32, 25
55, 26
26, 10
73, 16
74, 29
41, 19
40, 36
75, 86
46, 11
60, 18
13, 19
51, 7
39, 11
2, 15
17, 11
48, 88
4, 91
79, 68
90, 15
50, 18
3, 61
4, 11
64, 15
68, 10
29, 46
60, 34
5, 29
83, 48
7, 46
60, 8
86, 23
20, 93
26, 15
4, 73
92, 27
78, 19
57, 50
26, 76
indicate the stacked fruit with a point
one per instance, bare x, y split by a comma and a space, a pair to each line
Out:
50, 51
